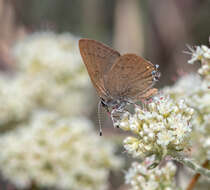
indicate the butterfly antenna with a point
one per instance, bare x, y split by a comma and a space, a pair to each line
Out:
99, 118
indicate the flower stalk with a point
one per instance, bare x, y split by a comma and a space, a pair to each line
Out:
196, 177
189, 163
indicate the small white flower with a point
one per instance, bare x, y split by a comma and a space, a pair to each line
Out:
164, 137
151, 135
198, 53
181, 130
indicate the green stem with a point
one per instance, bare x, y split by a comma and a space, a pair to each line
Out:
190, 163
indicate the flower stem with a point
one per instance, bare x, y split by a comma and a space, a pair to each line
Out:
196, 177
190, 163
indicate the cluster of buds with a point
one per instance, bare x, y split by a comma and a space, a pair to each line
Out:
163, 127
140, 177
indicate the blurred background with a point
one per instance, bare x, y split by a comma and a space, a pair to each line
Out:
157, 30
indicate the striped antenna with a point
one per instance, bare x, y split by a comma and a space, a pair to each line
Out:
99, 118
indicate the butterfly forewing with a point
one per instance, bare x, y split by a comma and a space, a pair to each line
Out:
98, 59
130, 77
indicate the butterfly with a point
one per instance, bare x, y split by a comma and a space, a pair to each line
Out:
119, 79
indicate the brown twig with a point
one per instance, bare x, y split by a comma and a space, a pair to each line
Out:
196, 177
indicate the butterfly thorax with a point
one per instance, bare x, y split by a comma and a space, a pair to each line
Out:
117, 104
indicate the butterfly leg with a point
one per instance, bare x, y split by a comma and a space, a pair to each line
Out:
115, 118
116, 115
143, 104
104, 105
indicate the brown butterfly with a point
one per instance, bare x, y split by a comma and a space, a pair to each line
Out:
118, 79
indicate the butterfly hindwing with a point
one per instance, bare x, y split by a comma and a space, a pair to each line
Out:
130, 77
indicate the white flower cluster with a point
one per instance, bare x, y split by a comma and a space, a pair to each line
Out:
202, 54
50, 74
51, 55
15, 103
199, 99
53, 68
53, 151
164, 126
139, 177
196, 93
